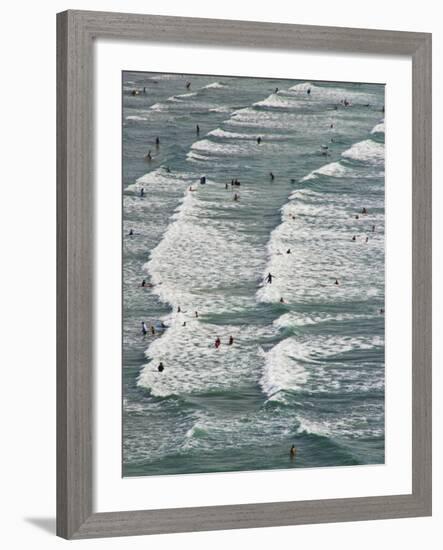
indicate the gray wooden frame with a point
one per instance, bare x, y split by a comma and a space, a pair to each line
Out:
76, 31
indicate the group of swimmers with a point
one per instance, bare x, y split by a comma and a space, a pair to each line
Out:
217, 342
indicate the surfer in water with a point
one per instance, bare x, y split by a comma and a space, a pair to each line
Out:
148, 156
236, 197
142, 192
160, 367
353, 238
271, 175
188, 85
292, 452
144, 329
152, 330
336, 282
197, 129
231, 341
217, 342
269, 278
157, 142
259, 140
373, 228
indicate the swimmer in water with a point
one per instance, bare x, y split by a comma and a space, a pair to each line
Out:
373, 228
236, 197
353, 238
271, 175
131, 232
197, 129
217, 342
160, 367
308, 91
142, 192
231, 341
288, 251
357, 217
292, 452
336, 282
157, 141
367, 239
281, 300
152, 330
364, 211
196, 313
259, 140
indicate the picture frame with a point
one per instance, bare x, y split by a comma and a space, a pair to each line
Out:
76, 32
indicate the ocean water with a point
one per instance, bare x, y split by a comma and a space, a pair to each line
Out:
306, 366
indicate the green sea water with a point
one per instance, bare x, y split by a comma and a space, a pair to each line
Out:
306, 366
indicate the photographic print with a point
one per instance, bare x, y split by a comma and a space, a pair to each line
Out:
253, 273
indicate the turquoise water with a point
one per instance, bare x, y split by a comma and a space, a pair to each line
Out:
306, 366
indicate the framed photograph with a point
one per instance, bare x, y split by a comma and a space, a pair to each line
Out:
244, 274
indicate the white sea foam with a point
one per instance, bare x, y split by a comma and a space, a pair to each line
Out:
207, 146
298, 363
379, 128
135, 117
159, 180
189, 94
366, 151
223, 257
276, 101
225, 109
219, 132
341, 170
215, 85
330, 94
